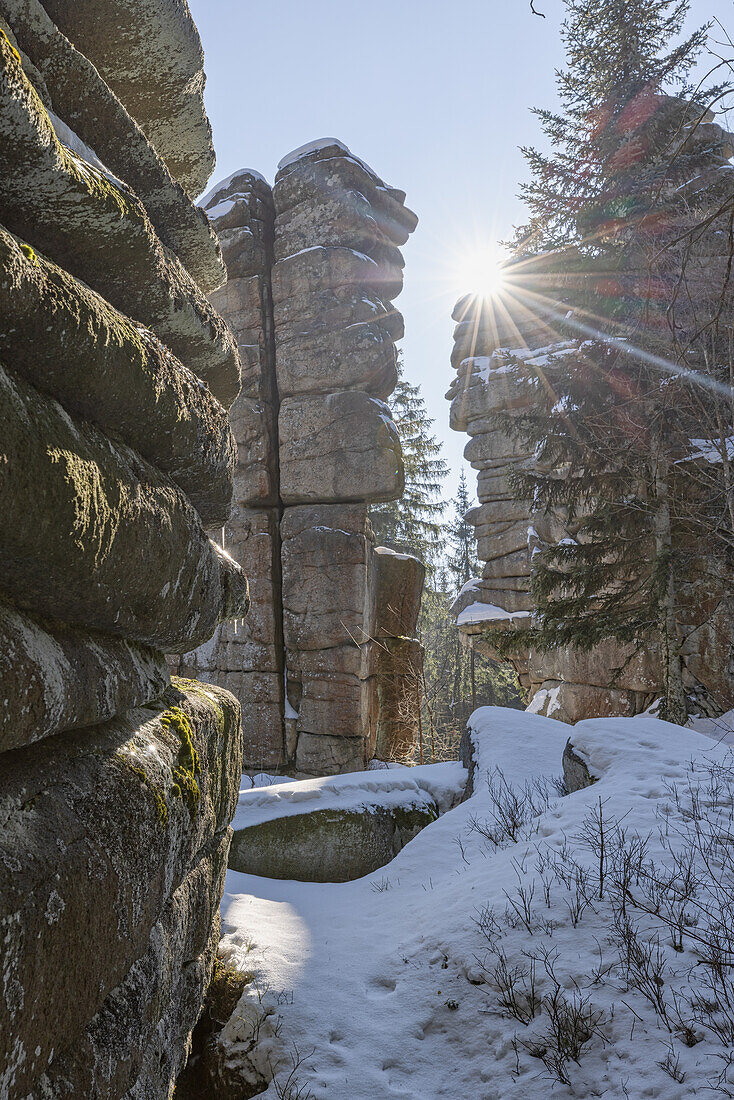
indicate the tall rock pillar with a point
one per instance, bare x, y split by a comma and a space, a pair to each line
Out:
313, 268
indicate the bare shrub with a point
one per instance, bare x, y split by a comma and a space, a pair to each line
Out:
572, 1024
512, 808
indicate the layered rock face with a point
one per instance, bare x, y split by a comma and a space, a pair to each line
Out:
116, 456
313, 268
564, 684
528, 326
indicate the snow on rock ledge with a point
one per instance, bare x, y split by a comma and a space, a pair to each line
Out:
339, 828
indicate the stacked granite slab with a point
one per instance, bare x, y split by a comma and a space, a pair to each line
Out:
117, 786
526, 326
313, 268
337, 269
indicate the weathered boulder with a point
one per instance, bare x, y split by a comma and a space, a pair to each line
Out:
334, 830
57, 678
340, 447
96, 507
570, 702
97, 229
328, 845
102, 367
126, 40
576, 773
79, 95
140, 807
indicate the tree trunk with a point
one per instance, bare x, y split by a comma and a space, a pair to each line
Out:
674, 707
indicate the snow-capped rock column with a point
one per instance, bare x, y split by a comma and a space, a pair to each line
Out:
499, 600
247, 657
338, 230
313, 267
488, 339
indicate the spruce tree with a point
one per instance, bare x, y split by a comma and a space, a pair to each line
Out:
613, 417
462, 540
412, 525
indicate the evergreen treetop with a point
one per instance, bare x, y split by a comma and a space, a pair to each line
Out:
412, 525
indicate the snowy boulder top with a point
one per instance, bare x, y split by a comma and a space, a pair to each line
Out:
331, 145
324, 149
332, 148
220, 199
441, 785
621, 750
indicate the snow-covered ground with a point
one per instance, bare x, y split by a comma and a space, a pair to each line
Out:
393, 985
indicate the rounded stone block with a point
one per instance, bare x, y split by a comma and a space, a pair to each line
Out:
96, 537
341, 447
327, 845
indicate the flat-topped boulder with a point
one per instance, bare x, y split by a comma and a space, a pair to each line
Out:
335, 831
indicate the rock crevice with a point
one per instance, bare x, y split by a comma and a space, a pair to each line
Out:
313, 266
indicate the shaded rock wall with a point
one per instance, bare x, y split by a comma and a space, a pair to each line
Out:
116, 456
313, 268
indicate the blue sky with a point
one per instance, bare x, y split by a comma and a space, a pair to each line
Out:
436, 96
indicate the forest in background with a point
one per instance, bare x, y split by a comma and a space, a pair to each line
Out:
454, 681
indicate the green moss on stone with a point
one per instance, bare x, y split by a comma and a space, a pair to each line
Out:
194, 687
11, 47
30, 254
188, 766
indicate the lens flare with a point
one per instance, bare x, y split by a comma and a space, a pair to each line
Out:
482, 273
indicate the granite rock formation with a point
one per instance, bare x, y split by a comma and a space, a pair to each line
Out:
313, 267
116, 455
529, 325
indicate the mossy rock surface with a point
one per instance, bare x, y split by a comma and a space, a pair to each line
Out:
330, 845
111, 873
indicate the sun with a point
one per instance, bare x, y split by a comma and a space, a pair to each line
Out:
482, 272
